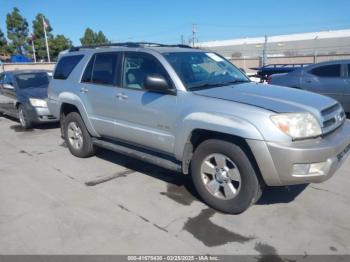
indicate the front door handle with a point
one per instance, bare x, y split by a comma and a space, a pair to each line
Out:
121, 96
84, 90
308, 81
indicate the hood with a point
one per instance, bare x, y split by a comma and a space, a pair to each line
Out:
34, 92
274, 98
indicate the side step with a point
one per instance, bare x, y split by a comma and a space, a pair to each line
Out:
141, 154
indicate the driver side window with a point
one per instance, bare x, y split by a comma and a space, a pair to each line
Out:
137, 66
8, 79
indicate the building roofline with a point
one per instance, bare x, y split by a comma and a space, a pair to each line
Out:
279, 38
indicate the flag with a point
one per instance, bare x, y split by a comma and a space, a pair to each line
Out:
45, 24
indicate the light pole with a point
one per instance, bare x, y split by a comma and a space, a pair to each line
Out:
33, 47
264, 62
194, 31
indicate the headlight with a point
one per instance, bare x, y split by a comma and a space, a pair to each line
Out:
37, 102
297, 125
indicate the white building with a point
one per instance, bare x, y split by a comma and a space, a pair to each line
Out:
316, 43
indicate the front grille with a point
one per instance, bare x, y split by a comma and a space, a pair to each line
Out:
332, 117
330, 110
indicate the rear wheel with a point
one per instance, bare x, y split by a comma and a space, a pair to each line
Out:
77, 136
224, 176
23, 117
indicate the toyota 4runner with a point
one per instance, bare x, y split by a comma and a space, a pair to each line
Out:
192, 111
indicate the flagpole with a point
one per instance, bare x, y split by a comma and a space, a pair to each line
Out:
47, 45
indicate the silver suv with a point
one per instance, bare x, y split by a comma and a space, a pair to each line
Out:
194, 112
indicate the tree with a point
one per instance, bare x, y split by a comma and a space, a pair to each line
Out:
39, 36
92, 38
88, 38
101, 38
58, 44
3, 44
17, 31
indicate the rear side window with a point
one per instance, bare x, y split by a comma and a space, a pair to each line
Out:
327, 71
66, 65
101, 69
88, 71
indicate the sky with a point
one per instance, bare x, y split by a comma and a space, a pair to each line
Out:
166, 21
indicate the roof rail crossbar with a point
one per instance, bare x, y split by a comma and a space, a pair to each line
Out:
127, 44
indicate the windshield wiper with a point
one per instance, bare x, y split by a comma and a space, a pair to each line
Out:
211, 85
206, 85
233, 82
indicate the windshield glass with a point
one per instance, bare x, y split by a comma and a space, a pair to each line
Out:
201, 70
28, 80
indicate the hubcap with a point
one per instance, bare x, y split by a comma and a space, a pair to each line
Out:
221, 176
75, 135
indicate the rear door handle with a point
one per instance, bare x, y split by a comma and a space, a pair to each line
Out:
308, 81
121, 96
84, 90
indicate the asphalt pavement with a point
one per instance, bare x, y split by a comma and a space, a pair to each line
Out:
54, 203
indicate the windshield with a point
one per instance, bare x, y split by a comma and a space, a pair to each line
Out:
202, 70
29, 80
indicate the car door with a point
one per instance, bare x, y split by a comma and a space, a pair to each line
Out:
326, 80
8, 95
2, 98
98, 90
145, 118
346, 98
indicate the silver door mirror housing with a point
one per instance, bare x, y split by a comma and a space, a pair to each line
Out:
8, 86
156, 83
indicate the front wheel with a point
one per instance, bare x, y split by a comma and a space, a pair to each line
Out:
77, 136
23, 117
224, 176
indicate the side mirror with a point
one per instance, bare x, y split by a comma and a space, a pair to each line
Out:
157, 83
8, 86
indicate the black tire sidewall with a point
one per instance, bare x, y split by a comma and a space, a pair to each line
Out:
249, 182
87, 149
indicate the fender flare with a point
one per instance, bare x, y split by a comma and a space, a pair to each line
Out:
72, 99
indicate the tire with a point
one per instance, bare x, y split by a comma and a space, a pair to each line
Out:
217, 162
62, 124
23, 117
77, 137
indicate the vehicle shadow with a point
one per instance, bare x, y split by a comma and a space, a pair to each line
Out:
18, 128
180, 183
180, 187
280, 194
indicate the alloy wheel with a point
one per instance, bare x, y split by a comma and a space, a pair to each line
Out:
75, 136
221, 176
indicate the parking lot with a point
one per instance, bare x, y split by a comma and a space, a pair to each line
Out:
54, 203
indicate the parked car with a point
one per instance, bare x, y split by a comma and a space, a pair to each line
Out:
23, 96
194, 112
328, 78
264, 72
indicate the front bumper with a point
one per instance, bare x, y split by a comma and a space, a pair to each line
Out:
276, 161
39, 115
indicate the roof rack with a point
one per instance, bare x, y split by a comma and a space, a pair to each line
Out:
127, 44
